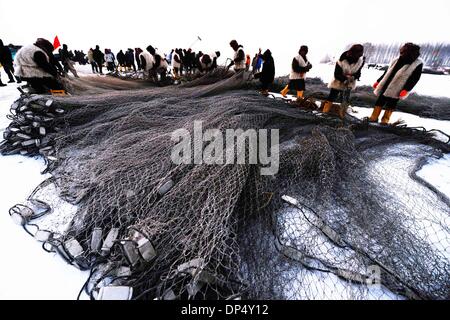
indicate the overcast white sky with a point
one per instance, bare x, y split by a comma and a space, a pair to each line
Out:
281, 25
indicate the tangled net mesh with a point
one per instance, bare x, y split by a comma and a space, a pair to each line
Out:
345, 203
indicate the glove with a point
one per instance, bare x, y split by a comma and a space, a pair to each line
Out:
403, 94
375, 85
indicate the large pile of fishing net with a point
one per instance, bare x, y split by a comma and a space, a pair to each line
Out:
345, 210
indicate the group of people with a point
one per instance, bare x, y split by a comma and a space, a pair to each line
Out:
77, 56
189, 62
395, 84
37, 65
151, 61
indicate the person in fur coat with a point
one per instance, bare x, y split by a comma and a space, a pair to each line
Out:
396, 82
346, 72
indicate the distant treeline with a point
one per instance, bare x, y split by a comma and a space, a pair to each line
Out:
435, 55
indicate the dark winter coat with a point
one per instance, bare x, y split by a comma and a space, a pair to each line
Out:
5, 55
129, 57
137, 52
121, 57
99, 56
267, 75
64, 55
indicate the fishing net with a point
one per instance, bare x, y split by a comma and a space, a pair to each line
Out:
96, 84
345, 216
362, 96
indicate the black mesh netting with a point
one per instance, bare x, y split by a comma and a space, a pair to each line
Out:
345, 210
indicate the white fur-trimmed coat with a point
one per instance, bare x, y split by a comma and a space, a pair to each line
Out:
398, 82
298, 75
149, 61
347, 68
26, 67
240, 65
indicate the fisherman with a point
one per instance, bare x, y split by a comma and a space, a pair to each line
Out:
6, 61
257, 62
36, 64
160, 64
396, 82
170, 56
176, 63
99, 58
267, 75
90, 56
137, 53
347, 71
188, 61
146, 61
129, 59
208, 62
299, 67
110, 58
239, 57
65, 57
121, 60
247, 62
196, 64
182, 58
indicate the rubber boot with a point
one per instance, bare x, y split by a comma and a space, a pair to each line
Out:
386, 116
375, 114
285, 91
299, 95
327, 106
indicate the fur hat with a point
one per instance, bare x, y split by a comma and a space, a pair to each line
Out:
45, 45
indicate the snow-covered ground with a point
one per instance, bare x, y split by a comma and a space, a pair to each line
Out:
28, 271
31, 273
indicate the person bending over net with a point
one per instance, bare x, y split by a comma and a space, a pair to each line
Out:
176, 63
346, 72
160, 65
36, 64
147, 62
208, 62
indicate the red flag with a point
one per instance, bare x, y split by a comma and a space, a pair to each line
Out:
56, 43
